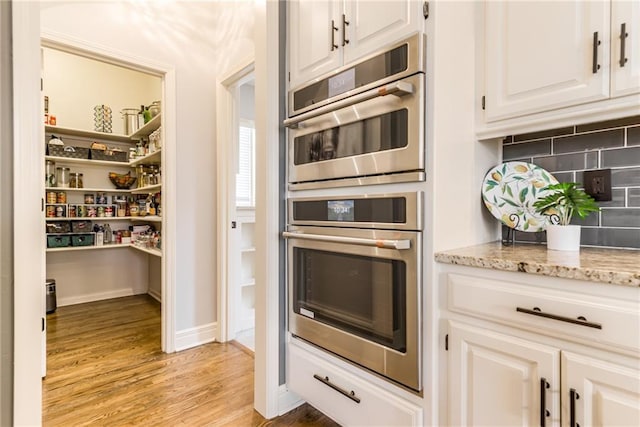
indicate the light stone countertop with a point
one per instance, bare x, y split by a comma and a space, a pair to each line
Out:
614, 266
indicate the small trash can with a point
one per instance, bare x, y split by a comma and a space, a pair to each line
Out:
50, 286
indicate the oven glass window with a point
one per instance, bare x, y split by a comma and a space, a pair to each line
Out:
380, 133
361, 295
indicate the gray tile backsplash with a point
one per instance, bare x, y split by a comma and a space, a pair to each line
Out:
568, 152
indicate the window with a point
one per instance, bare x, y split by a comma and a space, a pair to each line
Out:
245, 177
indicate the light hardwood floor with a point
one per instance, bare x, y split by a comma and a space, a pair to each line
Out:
105, 367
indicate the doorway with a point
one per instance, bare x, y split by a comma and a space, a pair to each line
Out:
236, 185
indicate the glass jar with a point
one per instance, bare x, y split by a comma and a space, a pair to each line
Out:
62, 177
50, 173
75, 180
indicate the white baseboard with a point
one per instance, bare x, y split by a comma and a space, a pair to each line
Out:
79, 299
193, 337
287, 400
155, 295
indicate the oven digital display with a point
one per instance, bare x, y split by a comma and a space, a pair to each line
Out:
342, 83
340, 210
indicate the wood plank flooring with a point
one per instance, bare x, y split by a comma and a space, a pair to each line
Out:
105, 367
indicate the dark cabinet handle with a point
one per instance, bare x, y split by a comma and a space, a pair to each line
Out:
345, 23
544, 413
334, 46
573, 396
595, 66
578, 321
325, 380
623, 41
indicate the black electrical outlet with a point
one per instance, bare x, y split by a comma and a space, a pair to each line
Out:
597, 184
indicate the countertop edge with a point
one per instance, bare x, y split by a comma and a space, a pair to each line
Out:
622, 278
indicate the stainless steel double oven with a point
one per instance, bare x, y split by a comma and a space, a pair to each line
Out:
355, 260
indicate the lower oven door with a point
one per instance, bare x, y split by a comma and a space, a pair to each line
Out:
357, 294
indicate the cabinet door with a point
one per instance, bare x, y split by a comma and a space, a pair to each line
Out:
539, 55
314, 43
607, 394
374, 24
625, 23
495, 379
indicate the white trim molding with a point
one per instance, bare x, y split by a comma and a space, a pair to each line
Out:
287, 400
98, 296
193, 337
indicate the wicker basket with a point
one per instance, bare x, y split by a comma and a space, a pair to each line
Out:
68, 151
58, 227
110, 155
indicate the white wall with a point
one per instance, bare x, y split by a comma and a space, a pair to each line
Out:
75, 84
202, 40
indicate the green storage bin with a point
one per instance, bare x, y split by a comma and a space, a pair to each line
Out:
82, 239
58, 241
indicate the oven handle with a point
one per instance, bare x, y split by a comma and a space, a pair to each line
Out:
378, 243
398, 88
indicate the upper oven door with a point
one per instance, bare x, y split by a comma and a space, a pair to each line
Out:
383, 134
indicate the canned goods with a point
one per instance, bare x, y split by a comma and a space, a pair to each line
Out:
100, 211
108, 211
82, 211
60, 213
61, 197
72, 211
51, 211
91, 211
51, 196
89, 198
101, 198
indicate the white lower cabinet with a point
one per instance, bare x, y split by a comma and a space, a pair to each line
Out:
544, 351
344, 396
600, 393
496, 379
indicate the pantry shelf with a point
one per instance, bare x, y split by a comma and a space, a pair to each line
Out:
71, 160
148, 218
147, 189
150, 159
154, 252
87, 133
91, 218
97, 190
89, 248
248, 283
146, 130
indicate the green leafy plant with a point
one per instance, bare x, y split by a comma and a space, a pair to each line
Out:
566, 201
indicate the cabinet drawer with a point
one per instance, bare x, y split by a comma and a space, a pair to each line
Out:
324, 386
597, 319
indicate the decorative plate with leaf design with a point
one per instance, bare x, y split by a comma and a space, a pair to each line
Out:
509, 191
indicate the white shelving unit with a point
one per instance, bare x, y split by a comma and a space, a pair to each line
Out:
72, 265
245, 305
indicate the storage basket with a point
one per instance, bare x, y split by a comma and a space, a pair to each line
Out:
58, 241
68, 151
82, 239
58, 227
81, 226
110, 155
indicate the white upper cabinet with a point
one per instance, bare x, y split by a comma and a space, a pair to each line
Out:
314, 40
544, 55
324, 35
625, 47
373, 24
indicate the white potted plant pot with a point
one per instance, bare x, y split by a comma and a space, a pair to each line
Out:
563, 237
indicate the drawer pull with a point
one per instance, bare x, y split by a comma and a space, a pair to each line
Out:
579, 321
350, 394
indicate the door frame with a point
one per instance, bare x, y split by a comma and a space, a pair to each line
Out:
227, 122
168, 76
